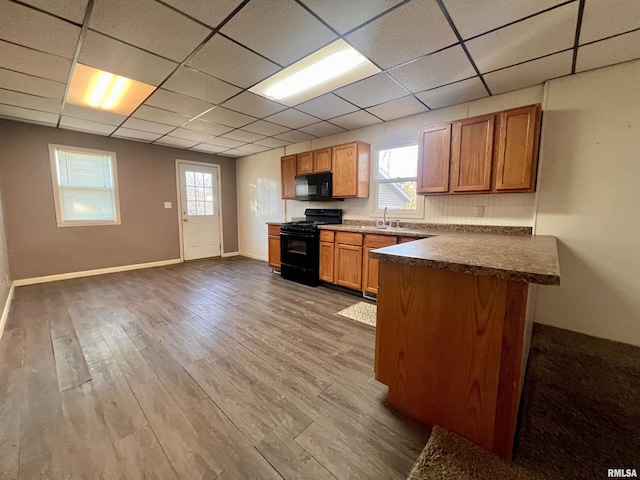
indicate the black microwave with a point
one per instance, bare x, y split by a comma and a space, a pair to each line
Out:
317, 187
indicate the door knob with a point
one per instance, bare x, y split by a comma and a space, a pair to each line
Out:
185, 219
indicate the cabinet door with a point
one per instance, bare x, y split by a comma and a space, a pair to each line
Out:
288, 176
517, 154
472, 154
322, 160
274, 251
326, 262
434, 155
348, 266
345, 170
370, 265
304, 163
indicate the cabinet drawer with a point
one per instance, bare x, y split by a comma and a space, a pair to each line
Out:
327, 235
379, 241
348, 238
407, 239
274, 229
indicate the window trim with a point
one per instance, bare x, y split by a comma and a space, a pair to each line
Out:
55, 184
376, 213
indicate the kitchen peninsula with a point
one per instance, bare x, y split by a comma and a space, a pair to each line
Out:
452, 332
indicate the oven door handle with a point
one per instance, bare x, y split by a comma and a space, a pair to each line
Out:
297, 235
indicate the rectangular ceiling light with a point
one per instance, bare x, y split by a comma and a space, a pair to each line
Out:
334, 66
101, 90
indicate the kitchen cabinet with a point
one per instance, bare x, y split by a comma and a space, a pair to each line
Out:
434, 150
304, 163
472, 154
322, 160
326, 255
517, 149
348, 260
288, 168
351, 170
370, 265
274, 246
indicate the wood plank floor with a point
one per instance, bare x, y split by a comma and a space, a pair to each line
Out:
209, 369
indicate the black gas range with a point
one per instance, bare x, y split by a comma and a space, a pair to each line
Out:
300, 245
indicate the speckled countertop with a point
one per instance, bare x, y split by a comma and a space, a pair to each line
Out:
532, 259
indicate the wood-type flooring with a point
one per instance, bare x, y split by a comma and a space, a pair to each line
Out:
202, 370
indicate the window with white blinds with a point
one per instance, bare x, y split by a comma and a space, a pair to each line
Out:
85, 186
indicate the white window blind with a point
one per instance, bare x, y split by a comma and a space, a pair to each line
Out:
85, 187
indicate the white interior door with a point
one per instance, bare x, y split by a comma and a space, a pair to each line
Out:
200, 211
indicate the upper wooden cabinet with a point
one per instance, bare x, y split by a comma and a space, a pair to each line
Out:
434, 148
304, 163
351, 170
472, 154
517, 148
288, 170
322, 160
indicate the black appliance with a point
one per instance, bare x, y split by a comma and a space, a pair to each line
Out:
317, 187
300, 245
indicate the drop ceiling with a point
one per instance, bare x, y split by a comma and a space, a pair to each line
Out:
204, 56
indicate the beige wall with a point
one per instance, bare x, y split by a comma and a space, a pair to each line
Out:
589, 197
5, 272
146, 178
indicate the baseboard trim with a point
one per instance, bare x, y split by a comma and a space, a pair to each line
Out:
5, 311
255, 257
230, 254
90, 273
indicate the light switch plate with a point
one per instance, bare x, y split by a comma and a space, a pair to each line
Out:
480, 211
167, 204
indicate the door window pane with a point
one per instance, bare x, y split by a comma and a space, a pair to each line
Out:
200, 196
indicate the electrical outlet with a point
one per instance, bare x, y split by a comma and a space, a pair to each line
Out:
480, 211
167, 204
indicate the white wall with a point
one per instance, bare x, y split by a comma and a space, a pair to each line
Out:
589, 198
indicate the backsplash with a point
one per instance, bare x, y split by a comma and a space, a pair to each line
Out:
509, 209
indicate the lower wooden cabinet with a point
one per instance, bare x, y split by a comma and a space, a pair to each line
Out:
370, 265
274, 246
326, 261
348, 266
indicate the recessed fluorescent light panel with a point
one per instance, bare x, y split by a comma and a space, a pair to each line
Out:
101, 90
331, 67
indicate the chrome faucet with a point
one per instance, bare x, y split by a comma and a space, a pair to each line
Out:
384, 217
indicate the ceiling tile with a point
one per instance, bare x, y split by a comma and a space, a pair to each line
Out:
344, 16
603, 18
540, 35
192, 135
444, 67
210, 13
19, 82
207, 127
175, 142
295, 136
479, 16
371, 91
17, 99
232, 63
31, 116
205, 147
401, 35
82, 125
327, 106
253, 104
251, 148
227, 142
273, 142
73, 10
93, 114
177, 102
145, 126
232, 153
608, 52
354, 120
322, 129
292, 118
28, 27
25, 60
227, 117
199, 85
136, 134
530, 73
282, 31
163, 31
243, 136
460, 92
265, 128
161, 116
402, 107
116, 57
